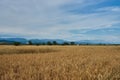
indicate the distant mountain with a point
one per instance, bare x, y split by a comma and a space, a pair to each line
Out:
6, 42
93, 42
46, 40
25, 41
59, 41
12, 40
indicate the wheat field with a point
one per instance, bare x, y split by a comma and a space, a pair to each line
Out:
59, 62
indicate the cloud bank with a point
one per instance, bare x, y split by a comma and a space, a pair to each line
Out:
63, 19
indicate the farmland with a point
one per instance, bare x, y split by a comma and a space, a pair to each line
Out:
59, 62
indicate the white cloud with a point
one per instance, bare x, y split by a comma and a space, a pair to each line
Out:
108, 9
46, 18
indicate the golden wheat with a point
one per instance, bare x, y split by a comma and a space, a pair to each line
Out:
60, 63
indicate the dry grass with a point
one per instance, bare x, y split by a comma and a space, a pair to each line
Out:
60, 63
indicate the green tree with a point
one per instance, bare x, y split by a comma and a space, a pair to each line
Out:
43, 43
72, 43
17, 43
65, 43
49, 43
37, 44
55, 43
30, 43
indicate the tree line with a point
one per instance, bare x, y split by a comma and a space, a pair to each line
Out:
56, 43
45, 43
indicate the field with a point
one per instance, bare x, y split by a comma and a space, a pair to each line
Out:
59, 62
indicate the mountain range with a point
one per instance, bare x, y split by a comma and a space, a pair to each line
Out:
60, 41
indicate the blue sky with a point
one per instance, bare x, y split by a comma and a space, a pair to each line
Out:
61, 19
